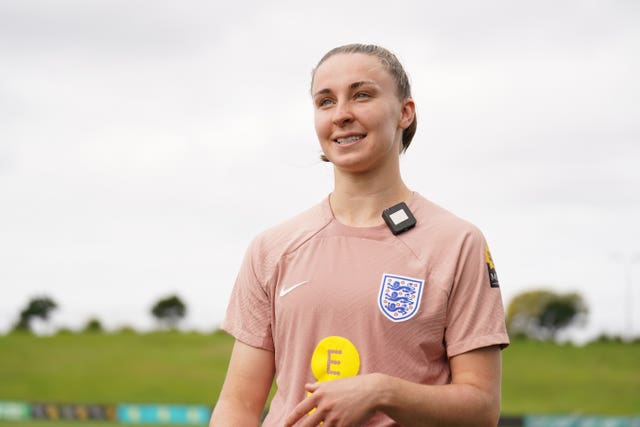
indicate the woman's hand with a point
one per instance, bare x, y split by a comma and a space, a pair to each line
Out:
340, 403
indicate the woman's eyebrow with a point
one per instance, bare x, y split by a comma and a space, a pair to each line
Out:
352, 86
322, 92
357, 85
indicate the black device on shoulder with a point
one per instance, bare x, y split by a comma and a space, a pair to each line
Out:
399, 218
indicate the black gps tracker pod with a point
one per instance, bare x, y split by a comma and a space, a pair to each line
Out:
399, 218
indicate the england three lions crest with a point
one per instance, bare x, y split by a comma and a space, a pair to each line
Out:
399, 297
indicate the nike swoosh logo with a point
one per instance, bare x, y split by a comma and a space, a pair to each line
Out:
284, 291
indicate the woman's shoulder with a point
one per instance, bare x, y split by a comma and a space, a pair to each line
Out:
433, 212
290, 234
438, 220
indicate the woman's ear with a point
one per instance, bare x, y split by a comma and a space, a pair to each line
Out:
408, 113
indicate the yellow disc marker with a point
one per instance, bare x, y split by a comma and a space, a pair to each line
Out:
335, 357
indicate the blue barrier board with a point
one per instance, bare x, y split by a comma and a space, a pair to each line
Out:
163, 414
579, 421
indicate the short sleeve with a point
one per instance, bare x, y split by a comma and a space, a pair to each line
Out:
475, 313
249, 313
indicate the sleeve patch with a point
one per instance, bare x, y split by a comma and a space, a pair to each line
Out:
493, 276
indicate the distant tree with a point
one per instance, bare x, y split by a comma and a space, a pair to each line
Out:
541, 314
126, 330
606, 338
93, 325
39, 307
169, 311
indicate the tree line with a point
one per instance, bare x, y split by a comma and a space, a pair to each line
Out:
536, 314
168, 311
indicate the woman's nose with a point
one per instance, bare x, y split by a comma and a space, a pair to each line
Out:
342, 114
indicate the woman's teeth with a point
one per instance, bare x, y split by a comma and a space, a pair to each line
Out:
347, 140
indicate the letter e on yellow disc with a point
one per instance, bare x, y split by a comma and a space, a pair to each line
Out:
335, 357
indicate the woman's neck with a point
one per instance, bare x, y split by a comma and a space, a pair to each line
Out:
359, 199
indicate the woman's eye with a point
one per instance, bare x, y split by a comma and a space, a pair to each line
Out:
324, 102
362, 95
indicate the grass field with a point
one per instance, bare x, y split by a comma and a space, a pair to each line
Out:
170, 367
599, 378
114, 368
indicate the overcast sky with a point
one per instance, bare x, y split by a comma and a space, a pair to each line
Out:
143, 144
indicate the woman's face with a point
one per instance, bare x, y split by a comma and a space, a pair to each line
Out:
358, 117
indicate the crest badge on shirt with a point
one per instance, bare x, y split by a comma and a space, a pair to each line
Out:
399, 297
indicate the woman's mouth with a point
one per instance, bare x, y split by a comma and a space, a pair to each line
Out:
349, 139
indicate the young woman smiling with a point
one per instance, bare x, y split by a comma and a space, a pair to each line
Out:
362, 323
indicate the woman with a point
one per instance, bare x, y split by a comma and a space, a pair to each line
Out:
364, 320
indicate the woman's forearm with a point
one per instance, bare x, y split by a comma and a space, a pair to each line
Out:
412, 404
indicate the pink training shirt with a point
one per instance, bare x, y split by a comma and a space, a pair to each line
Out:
332, 301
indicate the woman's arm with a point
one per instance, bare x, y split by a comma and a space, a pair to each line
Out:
472, 398
246, 387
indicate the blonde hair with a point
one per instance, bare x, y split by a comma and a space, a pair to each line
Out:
392, 65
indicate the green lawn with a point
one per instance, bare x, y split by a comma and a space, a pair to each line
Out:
114, 368
170, 367
599, 378
166, 367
